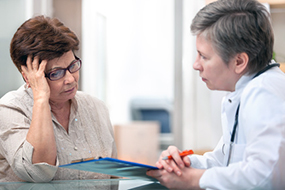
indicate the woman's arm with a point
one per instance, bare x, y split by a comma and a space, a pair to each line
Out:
15, 151
41, 133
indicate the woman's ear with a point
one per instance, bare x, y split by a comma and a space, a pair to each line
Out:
241, 62
25, 78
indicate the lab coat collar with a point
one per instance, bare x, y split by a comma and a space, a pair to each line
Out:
244, 80
240, 85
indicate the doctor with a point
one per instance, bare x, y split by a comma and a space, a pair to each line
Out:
235, 46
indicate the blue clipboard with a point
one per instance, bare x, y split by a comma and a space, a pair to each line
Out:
114, 167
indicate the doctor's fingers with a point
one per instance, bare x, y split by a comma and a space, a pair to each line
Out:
154, 173
175, 153
186, 161
171, 151
170, 166
158, 174
164, 153
169, 180
161, 162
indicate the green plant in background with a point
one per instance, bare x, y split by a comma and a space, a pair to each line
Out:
274, 56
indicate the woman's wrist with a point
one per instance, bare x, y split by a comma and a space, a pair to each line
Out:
41, 99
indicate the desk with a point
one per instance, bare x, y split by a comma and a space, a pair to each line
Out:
102, 184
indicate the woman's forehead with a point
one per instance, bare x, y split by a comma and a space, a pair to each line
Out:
61, 62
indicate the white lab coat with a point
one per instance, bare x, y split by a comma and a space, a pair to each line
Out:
258, 155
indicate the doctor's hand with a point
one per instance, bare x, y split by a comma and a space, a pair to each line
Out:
189, 178
34, 75
176, 163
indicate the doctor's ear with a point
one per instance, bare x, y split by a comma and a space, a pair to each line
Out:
241, 62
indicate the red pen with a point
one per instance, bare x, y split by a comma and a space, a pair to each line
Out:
184, 153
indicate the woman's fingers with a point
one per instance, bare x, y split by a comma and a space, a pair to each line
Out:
35, 63
29, 62
34, 66
34, 74
43, 66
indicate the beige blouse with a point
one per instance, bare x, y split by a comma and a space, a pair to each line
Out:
90, 135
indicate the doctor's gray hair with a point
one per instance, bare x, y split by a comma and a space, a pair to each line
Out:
236, 26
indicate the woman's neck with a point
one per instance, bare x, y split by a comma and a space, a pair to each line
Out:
61, 111
59, 106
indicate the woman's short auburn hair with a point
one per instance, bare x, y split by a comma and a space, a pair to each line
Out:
44, 37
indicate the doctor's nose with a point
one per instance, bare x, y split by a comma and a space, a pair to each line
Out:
197, 65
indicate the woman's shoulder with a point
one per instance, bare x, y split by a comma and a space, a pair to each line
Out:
17, 97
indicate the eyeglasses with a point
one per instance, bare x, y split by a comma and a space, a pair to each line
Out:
57, 74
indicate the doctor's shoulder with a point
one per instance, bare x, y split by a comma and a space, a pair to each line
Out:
271, 83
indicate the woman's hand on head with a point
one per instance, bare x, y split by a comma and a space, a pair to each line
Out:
176, 163
34, 75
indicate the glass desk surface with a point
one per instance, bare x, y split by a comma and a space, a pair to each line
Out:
102, 184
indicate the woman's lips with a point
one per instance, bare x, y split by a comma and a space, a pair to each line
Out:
70, 90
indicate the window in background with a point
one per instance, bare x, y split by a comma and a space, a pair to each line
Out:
12, 14
101, 57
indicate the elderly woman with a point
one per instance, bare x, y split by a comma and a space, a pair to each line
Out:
235, 45
47, 122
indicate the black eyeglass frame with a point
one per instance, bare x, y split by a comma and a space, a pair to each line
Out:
47, 75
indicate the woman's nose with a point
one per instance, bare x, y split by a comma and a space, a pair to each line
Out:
69, 78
